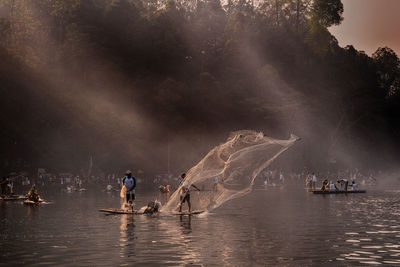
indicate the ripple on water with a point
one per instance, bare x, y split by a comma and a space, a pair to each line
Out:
370, 262
357, 258
363, 252
392, 246
354, 254
377, 247
376, 257
387, 232
391, 262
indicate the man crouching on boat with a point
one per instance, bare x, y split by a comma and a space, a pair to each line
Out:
33, 194
153, 207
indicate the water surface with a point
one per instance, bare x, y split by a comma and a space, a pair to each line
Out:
277, 226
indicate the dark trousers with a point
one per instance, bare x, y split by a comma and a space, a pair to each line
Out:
130, 196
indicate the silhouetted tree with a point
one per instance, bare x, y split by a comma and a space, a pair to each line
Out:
388, 65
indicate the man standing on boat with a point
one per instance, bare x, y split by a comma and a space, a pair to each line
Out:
216, 182
185, 193
181, 178
313, 180
130, 184
344, 183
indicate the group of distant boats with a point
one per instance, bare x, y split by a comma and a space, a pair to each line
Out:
73, 188
331, 188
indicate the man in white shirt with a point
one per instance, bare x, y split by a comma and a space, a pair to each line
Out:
185, 194
281, 178
216, 181
313, 180
354, 186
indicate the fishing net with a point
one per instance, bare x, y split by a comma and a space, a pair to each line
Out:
228, 171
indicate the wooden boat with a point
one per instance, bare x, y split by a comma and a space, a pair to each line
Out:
323, 192
119, 211
30, 202
14, 198
193, 212
129, 211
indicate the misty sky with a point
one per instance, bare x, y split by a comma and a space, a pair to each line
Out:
369, 24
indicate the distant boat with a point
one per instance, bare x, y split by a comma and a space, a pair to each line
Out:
338, 192
14, 198
119, 211
30, 202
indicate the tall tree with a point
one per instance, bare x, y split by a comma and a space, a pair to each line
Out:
388, 65
327, 12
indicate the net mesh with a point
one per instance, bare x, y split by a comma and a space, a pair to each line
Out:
228, 171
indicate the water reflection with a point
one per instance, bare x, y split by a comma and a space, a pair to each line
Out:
273, 227
32, 210
186, 223
164, 197
127, 236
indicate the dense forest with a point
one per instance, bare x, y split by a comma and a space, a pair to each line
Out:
134, 82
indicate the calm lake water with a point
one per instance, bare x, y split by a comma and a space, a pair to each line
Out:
276, 226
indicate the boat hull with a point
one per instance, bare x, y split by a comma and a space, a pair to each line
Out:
339, 192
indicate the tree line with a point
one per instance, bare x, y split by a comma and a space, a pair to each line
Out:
191, 67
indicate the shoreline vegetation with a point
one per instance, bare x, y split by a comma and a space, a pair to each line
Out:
136, 82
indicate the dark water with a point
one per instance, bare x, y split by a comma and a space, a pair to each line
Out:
277, 226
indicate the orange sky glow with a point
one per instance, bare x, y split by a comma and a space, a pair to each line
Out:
369, 24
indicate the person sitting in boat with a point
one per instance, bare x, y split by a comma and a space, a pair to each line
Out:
325, 185
3, 183
354, 186
185, 193
130, 184
344, 183
33, 194
164, 188
153, 207
332, 187
308, 181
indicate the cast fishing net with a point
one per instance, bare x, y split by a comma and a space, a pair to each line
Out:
228, 171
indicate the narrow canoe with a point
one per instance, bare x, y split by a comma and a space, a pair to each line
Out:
14, 198
30, 202
338, 192
193, 212
119, 211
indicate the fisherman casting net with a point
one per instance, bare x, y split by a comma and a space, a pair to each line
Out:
228, 171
